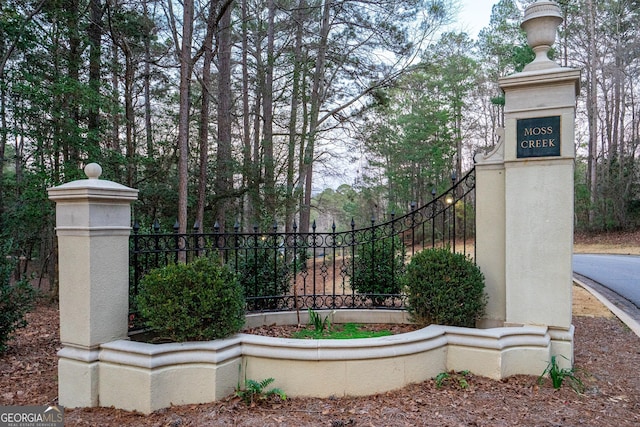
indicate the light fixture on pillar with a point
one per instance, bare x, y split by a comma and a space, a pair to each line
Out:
449, 198
541, 21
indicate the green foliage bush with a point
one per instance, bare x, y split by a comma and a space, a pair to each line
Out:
444, 288
199, 301
265, 272
16, 299
377, 268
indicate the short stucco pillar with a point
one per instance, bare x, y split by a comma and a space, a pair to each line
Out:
490, 231
525, 192
93, 222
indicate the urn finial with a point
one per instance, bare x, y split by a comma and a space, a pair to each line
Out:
541, 21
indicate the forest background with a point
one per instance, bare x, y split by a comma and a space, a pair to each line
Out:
238, 112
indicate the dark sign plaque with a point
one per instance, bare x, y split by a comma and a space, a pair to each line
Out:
538, 137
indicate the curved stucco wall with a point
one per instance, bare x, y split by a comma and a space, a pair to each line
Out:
146, 377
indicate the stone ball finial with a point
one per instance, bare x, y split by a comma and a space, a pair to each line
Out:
93, 171
541, 21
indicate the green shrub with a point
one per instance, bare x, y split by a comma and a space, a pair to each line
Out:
199, 301
444, 288
377, 268
16, 299
265, 272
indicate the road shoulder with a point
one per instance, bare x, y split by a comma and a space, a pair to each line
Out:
622, 308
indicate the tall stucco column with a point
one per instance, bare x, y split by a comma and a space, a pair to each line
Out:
539, 156
525, 191
539, 195
93, 223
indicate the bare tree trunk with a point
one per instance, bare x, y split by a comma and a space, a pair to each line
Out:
317, 93
183, 118
616, 154
635, 123
267, 109
121, 42
301, 159
94, 32
7, 48
114, 142
247, 164
290, 202
592, 112
257, 158
458, 136
147, 88
224, 161
129, 114
3, 133
71, 143
203, 135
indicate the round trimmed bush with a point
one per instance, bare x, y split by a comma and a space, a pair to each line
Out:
444, 288
199, 301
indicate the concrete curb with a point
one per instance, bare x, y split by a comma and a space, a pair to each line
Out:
627, 319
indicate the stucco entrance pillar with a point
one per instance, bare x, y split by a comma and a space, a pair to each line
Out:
93, 223
525, 192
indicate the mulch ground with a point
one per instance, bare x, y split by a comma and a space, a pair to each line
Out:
607, 358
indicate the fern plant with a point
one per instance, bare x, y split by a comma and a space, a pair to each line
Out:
447, 377
255, 392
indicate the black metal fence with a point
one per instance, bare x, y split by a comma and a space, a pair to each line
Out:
358, 268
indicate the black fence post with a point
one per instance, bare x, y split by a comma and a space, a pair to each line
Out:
276, 252
196, 239
255, 261
313, 261
454, 200
412, 207
353, 261
433, 217
393, 250
176, 230
295, 272
156, 241
236, 230
333, 262
136, 251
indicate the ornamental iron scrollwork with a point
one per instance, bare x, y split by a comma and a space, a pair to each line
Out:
291, 271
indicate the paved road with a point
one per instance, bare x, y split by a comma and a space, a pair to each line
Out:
620, 273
